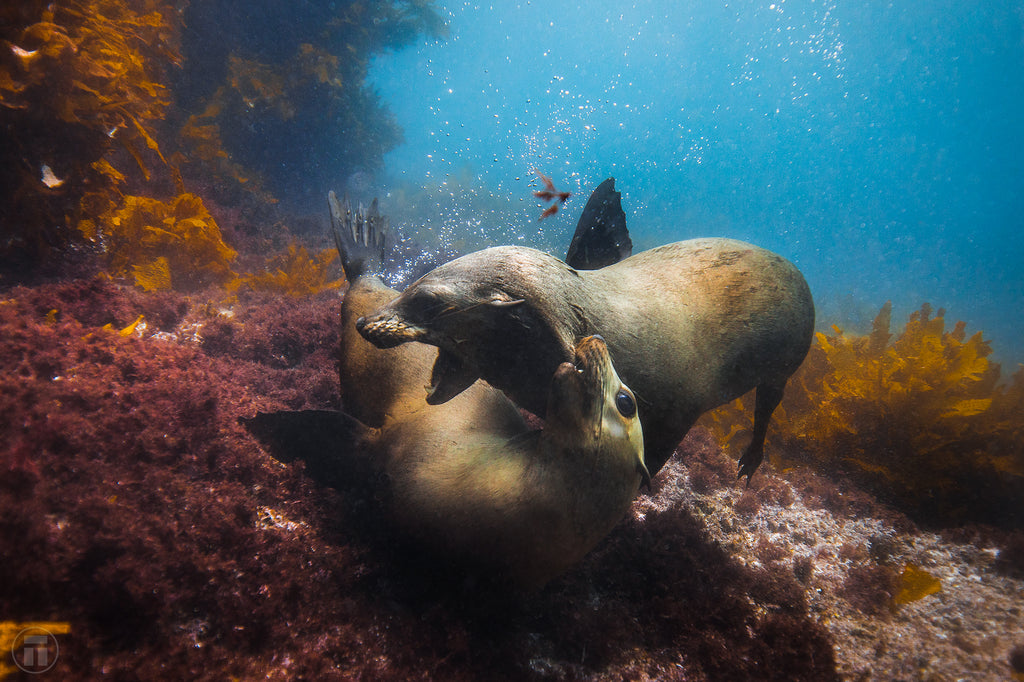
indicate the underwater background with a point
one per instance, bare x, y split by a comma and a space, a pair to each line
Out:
166, 273
877, 145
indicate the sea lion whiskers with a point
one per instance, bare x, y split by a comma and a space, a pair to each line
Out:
453, 309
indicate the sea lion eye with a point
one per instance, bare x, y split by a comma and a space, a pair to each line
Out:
625, 404
422, 303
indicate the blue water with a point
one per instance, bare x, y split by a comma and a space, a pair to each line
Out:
878, 146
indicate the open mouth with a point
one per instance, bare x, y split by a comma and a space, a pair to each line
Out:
449, 377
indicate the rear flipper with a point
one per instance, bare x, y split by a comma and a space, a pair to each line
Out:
359, 237
601, 236
767, 399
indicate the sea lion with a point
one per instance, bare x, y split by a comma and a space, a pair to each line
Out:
690, 326
468, 478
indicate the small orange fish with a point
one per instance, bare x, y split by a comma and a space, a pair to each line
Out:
549, 193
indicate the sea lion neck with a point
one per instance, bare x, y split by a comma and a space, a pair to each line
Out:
523, 342
535, 276
593, 305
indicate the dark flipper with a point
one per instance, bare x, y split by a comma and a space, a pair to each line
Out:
359, 237
767, 399
327, 441
601, 236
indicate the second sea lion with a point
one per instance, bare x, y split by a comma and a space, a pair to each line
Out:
690, 326
468, 478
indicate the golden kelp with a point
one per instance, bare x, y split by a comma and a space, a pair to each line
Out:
295, 273
922, 421
126, 331
207, 157
78, 80
252, 91
260, 85
163, 244
284, 91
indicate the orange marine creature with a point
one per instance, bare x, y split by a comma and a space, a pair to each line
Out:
549, 193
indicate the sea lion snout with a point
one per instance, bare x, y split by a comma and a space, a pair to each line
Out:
592, 359
592, 380
387, 330
610, 404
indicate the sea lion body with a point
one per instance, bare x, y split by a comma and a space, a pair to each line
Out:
690, 326
468, 479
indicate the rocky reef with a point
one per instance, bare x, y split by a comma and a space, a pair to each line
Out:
141, 514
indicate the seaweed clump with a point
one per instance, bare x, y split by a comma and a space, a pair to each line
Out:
162, 244
80, 82
922, 422
915, 583
284, 93
295, 273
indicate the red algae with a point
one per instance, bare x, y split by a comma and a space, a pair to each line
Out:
870, 588
139, 510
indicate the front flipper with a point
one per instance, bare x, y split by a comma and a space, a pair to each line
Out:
767, 399
450, 377
326, 440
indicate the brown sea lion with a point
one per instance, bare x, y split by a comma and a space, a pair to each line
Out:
690, 326
468, 477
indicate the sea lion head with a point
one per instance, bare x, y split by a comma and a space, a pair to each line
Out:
591, 410
491, 315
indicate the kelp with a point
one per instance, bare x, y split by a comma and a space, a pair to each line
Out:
80, 82
270, 95
207, 158
128, 330
284, 90
294, 273
162, 244
922, 421
177, 244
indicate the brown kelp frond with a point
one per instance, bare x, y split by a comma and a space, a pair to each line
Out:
295, 273
254, 90
915, 583
921, 421
78, 81
207, 156
163, 244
